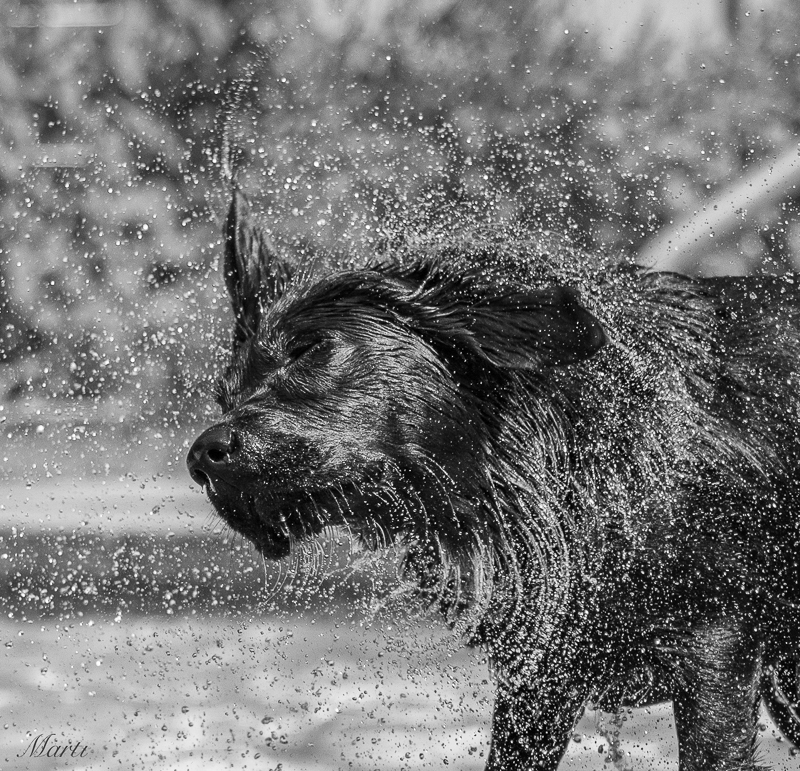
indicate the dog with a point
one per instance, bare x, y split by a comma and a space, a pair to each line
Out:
592, 467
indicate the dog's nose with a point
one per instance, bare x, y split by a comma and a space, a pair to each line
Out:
211, 454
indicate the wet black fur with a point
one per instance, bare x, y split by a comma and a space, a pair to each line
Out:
594, 468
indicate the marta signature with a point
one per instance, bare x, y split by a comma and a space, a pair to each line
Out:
46, 746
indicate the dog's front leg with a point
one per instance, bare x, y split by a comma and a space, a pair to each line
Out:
716, 701
532, 723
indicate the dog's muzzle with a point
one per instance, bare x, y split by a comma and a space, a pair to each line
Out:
211, 456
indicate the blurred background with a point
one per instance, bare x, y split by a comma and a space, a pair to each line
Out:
666, 131
608, 120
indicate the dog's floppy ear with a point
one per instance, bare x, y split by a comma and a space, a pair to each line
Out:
533, 328
255, 274
508, 324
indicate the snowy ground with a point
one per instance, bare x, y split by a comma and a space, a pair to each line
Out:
233, 689
228, 693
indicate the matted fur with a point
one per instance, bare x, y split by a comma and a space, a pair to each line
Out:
594, 468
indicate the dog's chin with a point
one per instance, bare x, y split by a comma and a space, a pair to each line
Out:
274, 524
274, 549
277, 522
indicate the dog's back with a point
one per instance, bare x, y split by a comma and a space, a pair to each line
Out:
757, 399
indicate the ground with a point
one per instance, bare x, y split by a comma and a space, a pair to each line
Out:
236, 689
227, 693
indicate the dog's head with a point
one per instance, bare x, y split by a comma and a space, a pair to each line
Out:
363, 398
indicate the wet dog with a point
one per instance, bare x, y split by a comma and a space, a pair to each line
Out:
593, 467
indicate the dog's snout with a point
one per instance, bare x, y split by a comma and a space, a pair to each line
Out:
211, 454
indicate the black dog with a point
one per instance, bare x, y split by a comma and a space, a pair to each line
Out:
594, 466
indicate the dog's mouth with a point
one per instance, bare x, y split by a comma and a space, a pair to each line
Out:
276, 523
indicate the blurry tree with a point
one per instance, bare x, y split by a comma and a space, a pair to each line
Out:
358, 115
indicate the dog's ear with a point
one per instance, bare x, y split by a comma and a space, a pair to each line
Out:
534, 328
507, 324
255, 274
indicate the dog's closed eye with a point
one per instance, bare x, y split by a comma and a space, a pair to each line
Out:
301, 350
309, 348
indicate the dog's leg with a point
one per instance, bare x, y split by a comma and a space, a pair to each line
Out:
716, 703
532, 724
